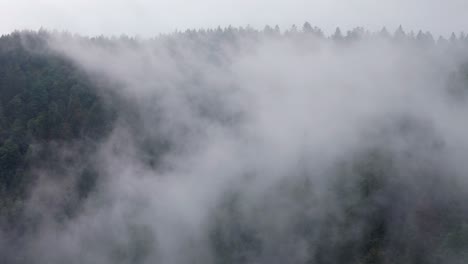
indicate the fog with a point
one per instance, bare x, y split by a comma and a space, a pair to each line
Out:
255, 148
148, 18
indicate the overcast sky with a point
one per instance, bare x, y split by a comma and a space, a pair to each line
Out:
146, 18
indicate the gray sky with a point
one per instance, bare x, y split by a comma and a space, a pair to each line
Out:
145, 17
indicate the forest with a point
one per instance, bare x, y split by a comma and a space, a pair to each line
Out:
234, 145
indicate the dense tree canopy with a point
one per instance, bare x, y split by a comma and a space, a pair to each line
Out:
48, 104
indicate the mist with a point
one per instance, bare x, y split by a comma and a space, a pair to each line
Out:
147, 18
259, 147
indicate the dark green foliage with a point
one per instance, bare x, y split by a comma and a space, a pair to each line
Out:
44, 99
47, 104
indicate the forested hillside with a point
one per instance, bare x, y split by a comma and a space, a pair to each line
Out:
45, 102
234, 145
